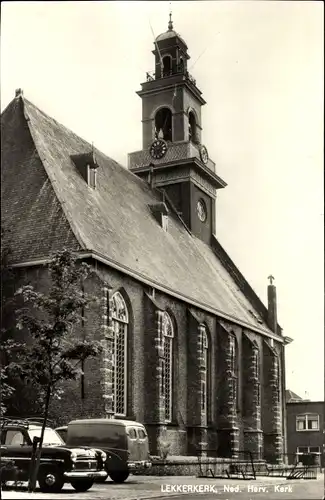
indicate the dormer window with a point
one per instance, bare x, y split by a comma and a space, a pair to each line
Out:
86, 165
160, 212
92, 176
164, 222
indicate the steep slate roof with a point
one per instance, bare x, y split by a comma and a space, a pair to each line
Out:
50, 205
31, 213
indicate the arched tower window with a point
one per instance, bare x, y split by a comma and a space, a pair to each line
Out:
163, 124
181, 65
192, 127
120, 321
167, 66
168, 343
205, 384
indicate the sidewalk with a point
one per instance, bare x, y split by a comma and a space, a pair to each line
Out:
148, 488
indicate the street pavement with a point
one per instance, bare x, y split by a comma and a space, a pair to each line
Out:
187, 487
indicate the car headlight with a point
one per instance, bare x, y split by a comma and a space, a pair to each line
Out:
73, 456
103, 455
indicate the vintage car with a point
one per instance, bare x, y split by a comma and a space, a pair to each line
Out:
125, 442
59, 463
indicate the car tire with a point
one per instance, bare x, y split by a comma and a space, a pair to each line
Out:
50, 479
82, 485
119, 476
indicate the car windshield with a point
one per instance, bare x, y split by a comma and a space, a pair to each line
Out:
50, 436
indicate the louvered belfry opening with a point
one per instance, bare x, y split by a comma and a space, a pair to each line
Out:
192, 127
167, 66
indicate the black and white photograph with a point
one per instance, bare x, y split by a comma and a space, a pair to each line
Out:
162, 250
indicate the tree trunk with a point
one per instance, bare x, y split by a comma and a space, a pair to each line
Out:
36, 462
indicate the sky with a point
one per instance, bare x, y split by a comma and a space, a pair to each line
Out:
260, 67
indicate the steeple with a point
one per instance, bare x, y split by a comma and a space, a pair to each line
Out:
173, 153
170, 24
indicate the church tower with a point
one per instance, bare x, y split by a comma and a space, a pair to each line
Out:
173, 156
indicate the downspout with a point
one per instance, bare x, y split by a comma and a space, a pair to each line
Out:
287, 340
284, 405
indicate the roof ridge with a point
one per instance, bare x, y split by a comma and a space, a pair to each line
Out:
47, 116
49, 175
7, 107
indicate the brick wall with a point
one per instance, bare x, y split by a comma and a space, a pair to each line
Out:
231, 421
72, 405
253, 436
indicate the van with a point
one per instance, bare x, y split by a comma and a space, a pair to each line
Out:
124, 441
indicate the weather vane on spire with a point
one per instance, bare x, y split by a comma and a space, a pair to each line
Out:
170, 24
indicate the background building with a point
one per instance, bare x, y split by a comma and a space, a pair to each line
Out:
305, 429
189, 348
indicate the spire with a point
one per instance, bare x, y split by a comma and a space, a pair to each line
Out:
170, 24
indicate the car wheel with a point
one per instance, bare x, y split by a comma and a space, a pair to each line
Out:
50, 480
82, 484
120, 476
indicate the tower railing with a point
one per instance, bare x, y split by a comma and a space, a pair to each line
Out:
151, 75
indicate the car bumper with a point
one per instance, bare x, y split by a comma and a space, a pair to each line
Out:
85, 475
144, 464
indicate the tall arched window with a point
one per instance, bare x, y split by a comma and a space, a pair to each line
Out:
257, 373
163, 124
205, 383
120, 321
168, 342
277, 374
233, 353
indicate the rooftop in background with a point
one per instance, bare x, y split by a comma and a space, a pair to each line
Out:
292, 397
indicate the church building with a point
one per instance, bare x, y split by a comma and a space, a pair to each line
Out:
189, 348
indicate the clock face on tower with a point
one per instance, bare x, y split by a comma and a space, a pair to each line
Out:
201, 210
204, 154
158, 149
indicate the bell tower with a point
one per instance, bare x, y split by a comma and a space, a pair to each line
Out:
173, 156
